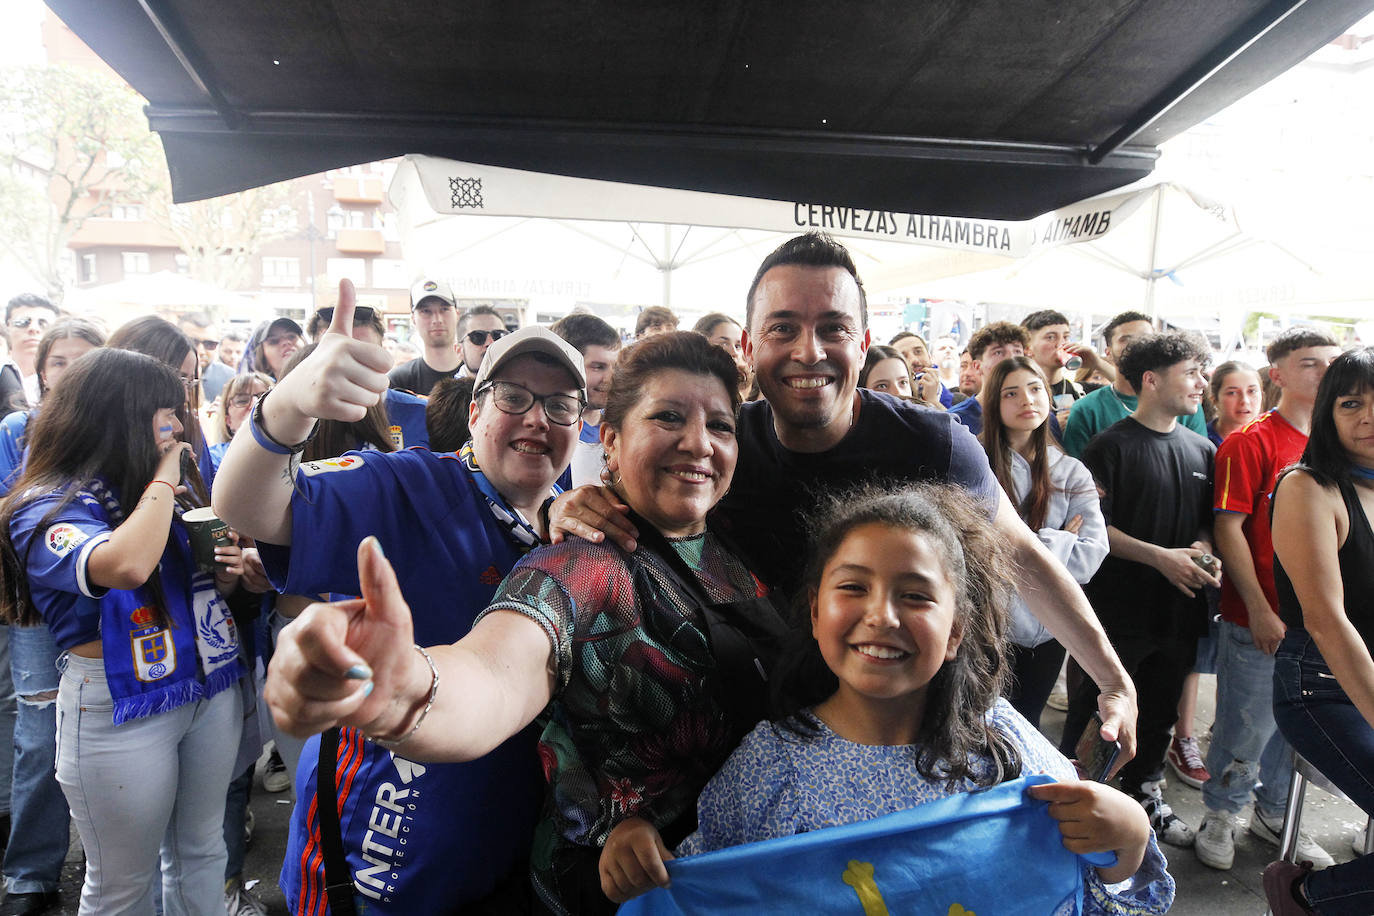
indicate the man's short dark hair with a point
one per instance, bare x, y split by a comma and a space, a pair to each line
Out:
467, 314
655, 314
236, 336
1157, 352
28, 301
1297, 339
996, 334
195, 319
903, 335
1043, 319
814, 249
1123, 318
581, 331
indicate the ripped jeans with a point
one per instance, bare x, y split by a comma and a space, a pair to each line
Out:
40, 835
1248, 755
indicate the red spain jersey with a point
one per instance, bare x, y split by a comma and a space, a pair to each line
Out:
1248, 464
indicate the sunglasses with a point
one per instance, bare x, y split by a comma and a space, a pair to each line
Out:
477, 338
207, 344
363, 314
23, 323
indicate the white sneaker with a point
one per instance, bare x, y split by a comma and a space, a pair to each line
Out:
1215, 844
1167, 825
1270, 829
240, 901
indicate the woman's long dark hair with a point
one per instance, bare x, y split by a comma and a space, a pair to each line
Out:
96, 424
954, 728
164, 342
1325, 458
1036, 505
334, 437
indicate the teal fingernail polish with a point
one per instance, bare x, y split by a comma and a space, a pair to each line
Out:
358, 672
367, 688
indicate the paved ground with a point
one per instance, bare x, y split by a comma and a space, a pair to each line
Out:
1202, 891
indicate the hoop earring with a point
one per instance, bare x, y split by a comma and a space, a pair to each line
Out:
610, 478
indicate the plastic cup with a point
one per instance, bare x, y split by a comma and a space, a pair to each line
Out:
207, 532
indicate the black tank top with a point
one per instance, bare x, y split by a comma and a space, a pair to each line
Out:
1357, 573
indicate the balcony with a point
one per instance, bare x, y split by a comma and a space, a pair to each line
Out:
360, 241
359, 190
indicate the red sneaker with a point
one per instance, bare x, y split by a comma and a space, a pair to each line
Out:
1186, 760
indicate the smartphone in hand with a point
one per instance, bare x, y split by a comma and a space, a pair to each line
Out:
1094, 756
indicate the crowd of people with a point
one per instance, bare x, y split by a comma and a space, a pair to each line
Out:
539, 610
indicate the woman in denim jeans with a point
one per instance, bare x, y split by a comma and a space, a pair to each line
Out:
33, 859
1323, 671
148, 712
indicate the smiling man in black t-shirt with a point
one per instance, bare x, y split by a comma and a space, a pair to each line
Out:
806, 338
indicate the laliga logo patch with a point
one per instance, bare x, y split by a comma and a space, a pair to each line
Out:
63, 539
398, 438
328, 465
430, 286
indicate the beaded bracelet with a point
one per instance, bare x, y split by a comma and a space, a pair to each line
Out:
268, 441
433, 692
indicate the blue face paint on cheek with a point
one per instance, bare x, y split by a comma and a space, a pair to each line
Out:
164, 429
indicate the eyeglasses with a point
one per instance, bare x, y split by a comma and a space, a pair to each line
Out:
243, 400
23, 323
363, 314
207, 344
277, 340
561, 409
477, 338
189, 383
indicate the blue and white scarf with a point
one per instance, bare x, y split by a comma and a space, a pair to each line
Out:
516, 525
152, 667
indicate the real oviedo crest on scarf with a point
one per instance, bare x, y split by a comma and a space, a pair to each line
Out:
155, 655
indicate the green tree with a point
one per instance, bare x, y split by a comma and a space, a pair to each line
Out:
73, 144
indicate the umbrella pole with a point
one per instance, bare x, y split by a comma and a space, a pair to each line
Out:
1150, 277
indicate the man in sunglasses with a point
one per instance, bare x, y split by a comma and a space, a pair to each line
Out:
27, 316
434, 317
478, 328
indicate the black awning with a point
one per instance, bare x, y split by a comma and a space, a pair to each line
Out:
985, 108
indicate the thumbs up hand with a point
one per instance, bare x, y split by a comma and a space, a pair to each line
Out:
344, 376
350, 662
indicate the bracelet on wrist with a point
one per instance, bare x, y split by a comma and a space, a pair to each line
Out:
270, 442
163, 482
389, 743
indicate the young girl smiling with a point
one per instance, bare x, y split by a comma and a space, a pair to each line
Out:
894, 701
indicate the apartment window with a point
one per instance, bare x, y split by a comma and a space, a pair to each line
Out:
132, 212
357, 219
354, 269
135, 262
183, 263
89, 274
281, 272
389, 273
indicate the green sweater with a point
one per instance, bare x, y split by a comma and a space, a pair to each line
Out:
1095, 412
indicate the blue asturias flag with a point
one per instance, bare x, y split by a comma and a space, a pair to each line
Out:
988, 853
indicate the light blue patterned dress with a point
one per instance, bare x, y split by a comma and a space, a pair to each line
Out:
779, 783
